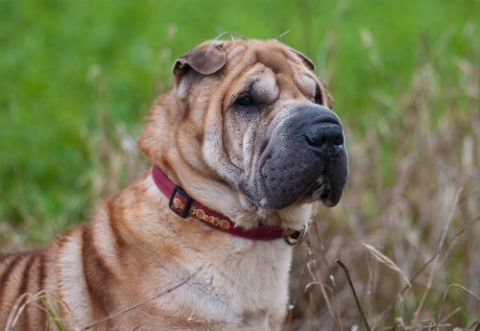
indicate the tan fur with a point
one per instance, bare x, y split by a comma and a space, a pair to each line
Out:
138, 266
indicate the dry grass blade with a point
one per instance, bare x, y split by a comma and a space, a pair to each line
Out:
424, 267
446, 318
137, 305
475, 326
359, 306
41, 299
319, 281
20, 305
386, 261
441, 244
445, 294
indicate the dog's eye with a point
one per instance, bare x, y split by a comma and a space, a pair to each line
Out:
245, 100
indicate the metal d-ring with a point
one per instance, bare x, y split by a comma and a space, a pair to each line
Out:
298, 237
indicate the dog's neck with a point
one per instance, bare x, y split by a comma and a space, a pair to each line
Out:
184, 206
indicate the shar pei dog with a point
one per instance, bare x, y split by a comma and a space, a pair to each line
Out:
241, 145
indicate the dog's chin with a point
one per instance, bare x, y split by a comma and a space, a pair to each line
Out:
321, 191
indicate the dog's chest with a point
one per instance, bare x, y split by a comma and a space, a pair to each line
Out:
245, 286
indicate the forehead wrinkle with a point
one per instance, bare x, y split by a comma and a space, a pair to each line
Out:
266, 86
288, 66
274, 58
234, 74
248, 78
234, 50
306, 84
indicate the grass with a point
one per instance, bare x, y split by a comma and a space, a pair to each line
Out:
76, 85
41, 300
421, 216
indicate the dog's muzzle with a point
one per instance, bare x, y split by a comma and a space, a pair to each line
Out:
304, 159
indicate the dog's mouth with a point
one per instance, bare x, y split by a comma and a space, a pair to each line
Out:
304, 161
326, 189
322, 191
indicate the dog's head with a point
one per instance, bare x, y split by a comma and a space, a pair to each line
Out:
248, 123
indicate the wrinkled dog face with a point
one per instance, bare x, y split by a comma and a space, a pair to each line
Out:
289, 145
262, 123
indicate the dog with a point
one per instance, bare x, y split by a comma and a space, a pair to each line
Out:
241, 145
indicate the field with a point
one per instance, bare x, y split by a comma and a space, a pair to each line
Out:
77, 79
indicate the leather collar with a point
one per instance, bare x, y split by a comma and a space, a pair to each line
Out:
184, 206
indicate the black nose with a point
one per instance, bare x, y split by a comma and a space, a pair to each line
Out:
325, 133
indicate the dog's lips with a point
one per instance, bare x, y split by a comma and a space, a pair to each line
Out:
302, 161
322, 191
285, 181
319, 191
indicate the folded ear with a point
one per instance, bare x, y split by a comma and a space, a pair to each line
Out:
309, 63
205, 59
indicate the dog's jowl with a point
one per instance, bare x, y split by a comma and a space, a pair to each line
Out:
241, 145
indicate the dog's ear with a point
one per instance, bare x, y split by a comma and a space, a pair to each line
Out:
330, 100
205, 59
309, 63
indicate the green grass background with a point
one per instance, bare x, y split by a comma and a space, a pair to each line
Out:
77, 79
64, 65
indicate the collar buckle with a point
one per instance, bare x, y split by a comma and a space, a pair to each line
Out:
183, 213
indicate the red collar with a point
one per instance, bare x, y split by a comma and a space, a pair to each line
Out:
184, 206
